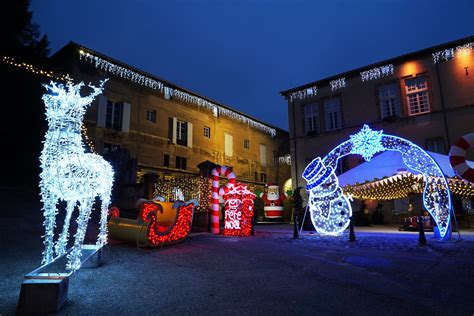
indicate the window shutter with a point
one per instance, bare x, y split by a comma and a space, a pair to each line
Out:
126, 117
190, 135
228, 150
263, 155
102, 111
172, 121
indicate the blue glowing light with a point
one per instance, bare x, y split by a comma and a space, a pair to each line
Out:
330, 210
367, 143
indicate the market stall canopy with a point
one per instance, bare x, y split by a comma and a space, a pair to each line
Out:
387, 164
386, 177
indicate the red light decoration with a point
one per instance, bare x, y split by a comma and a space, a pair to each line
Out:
114, 212
180, 230
238, 210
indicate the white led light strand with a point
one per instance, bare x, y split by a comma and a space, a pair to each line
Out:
338, 84
376, 73
329, 210
303, 94
451, 53
69, 174
170, 92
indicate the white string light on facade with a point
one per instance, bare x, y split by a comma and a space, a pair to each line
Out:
377, 72
170, 92
338, 84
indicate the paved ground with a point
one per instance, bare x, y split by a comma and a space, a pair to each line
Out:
380, 273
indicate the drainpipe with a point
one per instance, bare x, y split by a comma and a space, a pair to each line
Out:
445, 119
295, 162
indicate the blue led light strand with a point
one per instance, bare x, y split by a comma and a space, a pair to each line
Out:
326, 202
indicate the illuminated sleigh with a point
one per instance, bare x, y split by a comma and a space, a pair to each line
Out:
158, 223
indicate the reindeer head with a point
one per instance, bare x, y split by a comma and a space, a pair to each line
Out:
65, 103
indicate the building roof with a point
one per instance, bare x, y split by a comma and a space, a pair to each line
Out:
189, 95
394, 60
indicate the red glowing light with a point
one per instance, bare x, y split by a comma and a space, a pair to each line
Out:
180, 230
238, 210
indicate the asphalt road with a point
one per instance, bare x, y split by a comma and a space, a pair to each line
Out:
267, 274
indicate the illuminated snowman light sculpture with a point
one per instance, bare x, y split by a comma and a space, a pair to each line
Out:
330, 209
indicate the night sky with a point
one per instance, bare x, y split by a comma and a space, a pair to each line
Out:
242, 53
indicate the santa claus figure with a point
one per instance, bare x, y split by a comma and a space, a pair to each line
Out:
273, 202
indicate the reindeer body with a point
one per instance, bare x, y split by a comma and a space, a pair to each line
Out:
70, 174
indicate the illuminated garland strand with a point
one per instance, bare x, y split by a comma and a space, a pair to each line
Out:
169, 92
50, 74
450, 53
191, 187
377, 72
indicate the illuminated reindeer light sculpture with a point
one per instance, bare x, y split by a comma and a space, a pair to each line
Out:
69, 173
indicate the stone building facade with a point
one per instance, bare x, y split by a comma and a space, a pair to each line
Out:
426, 96
169, 130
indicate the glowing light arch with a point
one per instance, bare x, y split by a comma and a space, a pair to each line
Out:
331, 211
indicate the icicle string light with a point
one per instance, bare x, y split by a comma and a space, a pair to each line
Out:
69, 174
170, 92
328, 215
303, 94
451, 53
376, 73
338, 84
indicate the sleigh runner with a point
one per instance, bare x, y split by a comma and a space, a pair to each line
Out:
158, 223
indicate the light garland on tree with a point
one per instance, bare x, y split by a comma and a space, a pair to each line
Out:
170, 92
69, 174
197, 188
377, 72
303, 94
338, 84
451, 53
326, 204
50, 74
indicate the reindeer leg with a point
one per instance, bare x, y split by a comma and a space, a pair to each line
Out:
85, 208
49, 207
102, 238
61, 244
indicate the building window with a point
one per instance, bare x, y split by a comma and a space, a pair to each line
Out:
180, 163
332, 109
417, 95
151, 116
228, 145
246, 144
181, 133
435, 145
255, 175
263, 155
311, 118
207, 132
113, 117
263, 177
389, 100
166, 160
108, 148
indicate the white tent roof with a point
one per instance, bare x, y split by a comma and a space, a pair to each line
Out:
388, 164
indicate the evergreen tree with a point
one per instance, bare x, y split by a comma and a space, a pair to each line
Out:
21, 37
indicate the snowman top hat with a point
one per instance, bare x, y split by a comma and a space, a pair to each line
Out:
316, 173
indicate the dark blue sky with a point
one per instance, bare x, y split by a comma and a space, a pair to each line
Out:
242, 53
